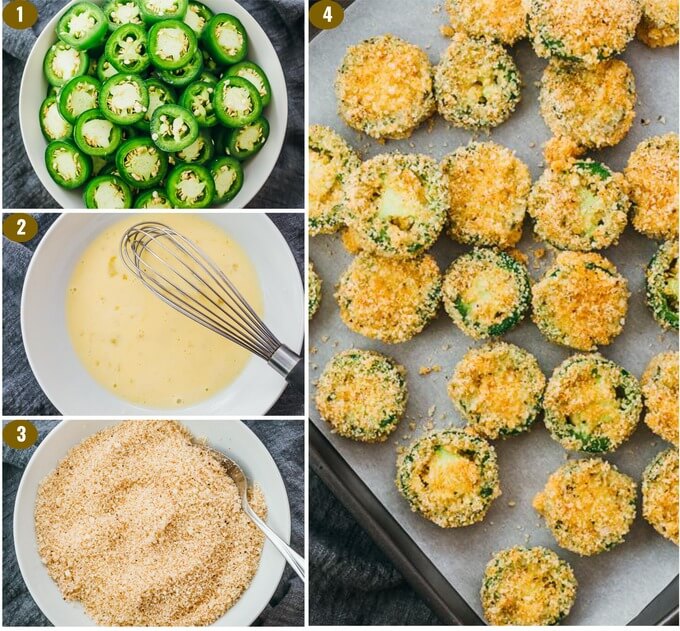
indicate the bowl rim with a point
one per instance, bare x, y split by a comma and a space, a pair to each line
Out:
29, 533
297, 344
274, 73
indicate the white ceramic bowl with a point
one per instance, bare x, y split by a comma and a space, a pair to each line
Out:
34, 88
231, 437
64, 379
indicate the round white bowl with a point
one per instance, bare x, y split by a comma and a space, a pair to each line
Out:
34, 88
63, 377
230, 437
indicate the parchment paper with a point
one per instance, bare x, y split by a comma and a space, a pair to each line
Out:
614, 586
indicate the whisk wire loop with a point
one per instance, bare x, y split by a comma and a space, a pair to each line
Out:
185, 278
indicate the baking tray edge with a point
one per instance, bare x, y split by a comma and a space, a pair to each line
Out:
409, 559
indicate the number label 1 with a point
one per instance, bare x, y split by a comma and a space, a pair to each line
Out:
20, 14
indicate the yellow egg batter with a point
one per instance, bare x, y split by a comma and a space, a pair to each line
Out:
134, 344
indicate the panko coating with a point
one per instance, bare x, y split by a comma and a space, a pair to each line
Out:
502, 20
476, 83
659, 23
583, 208
591, 404
389, 299
331, 160
314, 290
660, 494
652, 176
662, 285
362, 395
593, 106
450, 477
527, 587
587, 31
486, 292
397, 204
581, 301
659, 385
588, 505
384, 87
498, 389
488, 190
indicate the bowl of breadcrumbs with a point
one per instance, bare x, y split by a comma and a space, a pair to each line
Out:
137, 524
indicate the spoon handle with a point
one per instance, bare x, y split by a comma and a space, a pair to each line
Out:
293, 558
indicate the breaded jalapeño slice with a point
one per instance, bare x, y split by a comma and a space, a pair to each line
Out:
450, 477
397, 204
591, 404
486, 292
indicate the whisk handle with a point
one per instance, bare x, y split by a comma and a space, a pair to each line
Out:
290, 365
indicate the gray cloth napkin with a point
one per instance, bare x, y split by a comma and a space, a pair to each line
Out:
285, 442
351, 581
282, 20
21, 394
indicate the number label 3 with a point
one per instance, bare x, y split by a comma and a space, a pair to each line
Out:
19, 434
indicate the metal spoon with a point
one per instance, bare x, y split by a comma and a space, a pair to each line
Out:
234, 471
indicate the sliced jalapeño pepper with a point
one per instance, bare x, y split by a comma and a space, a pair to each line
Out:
220, 137
92, 66
77, 96
159, 94
237, 102
207, 77
157, 10
172, 44
226, 39
83, 26
208, 62
124, 99
53, 125
95, 135
107, 191
253, 73
197, 16
67, 165
198, 99
182, 77
199, 151
190, 186
227, 173
155, 198
127, 49
119, 12
173, 128
246, 141
141, 163
105, 69
63, 63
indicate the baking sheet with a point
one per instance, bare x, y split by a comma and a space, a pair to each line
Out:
615, 586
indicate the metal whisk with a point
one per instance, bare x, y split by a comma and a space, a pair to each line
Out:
177, 271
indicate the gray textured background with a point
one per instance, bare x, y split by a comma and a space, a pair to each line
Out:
285, 442
21, 394
282, 20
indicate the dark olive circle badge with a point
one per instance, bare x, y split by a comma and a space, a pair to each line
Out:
19, 434
20, 14
19, 227
326, 14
